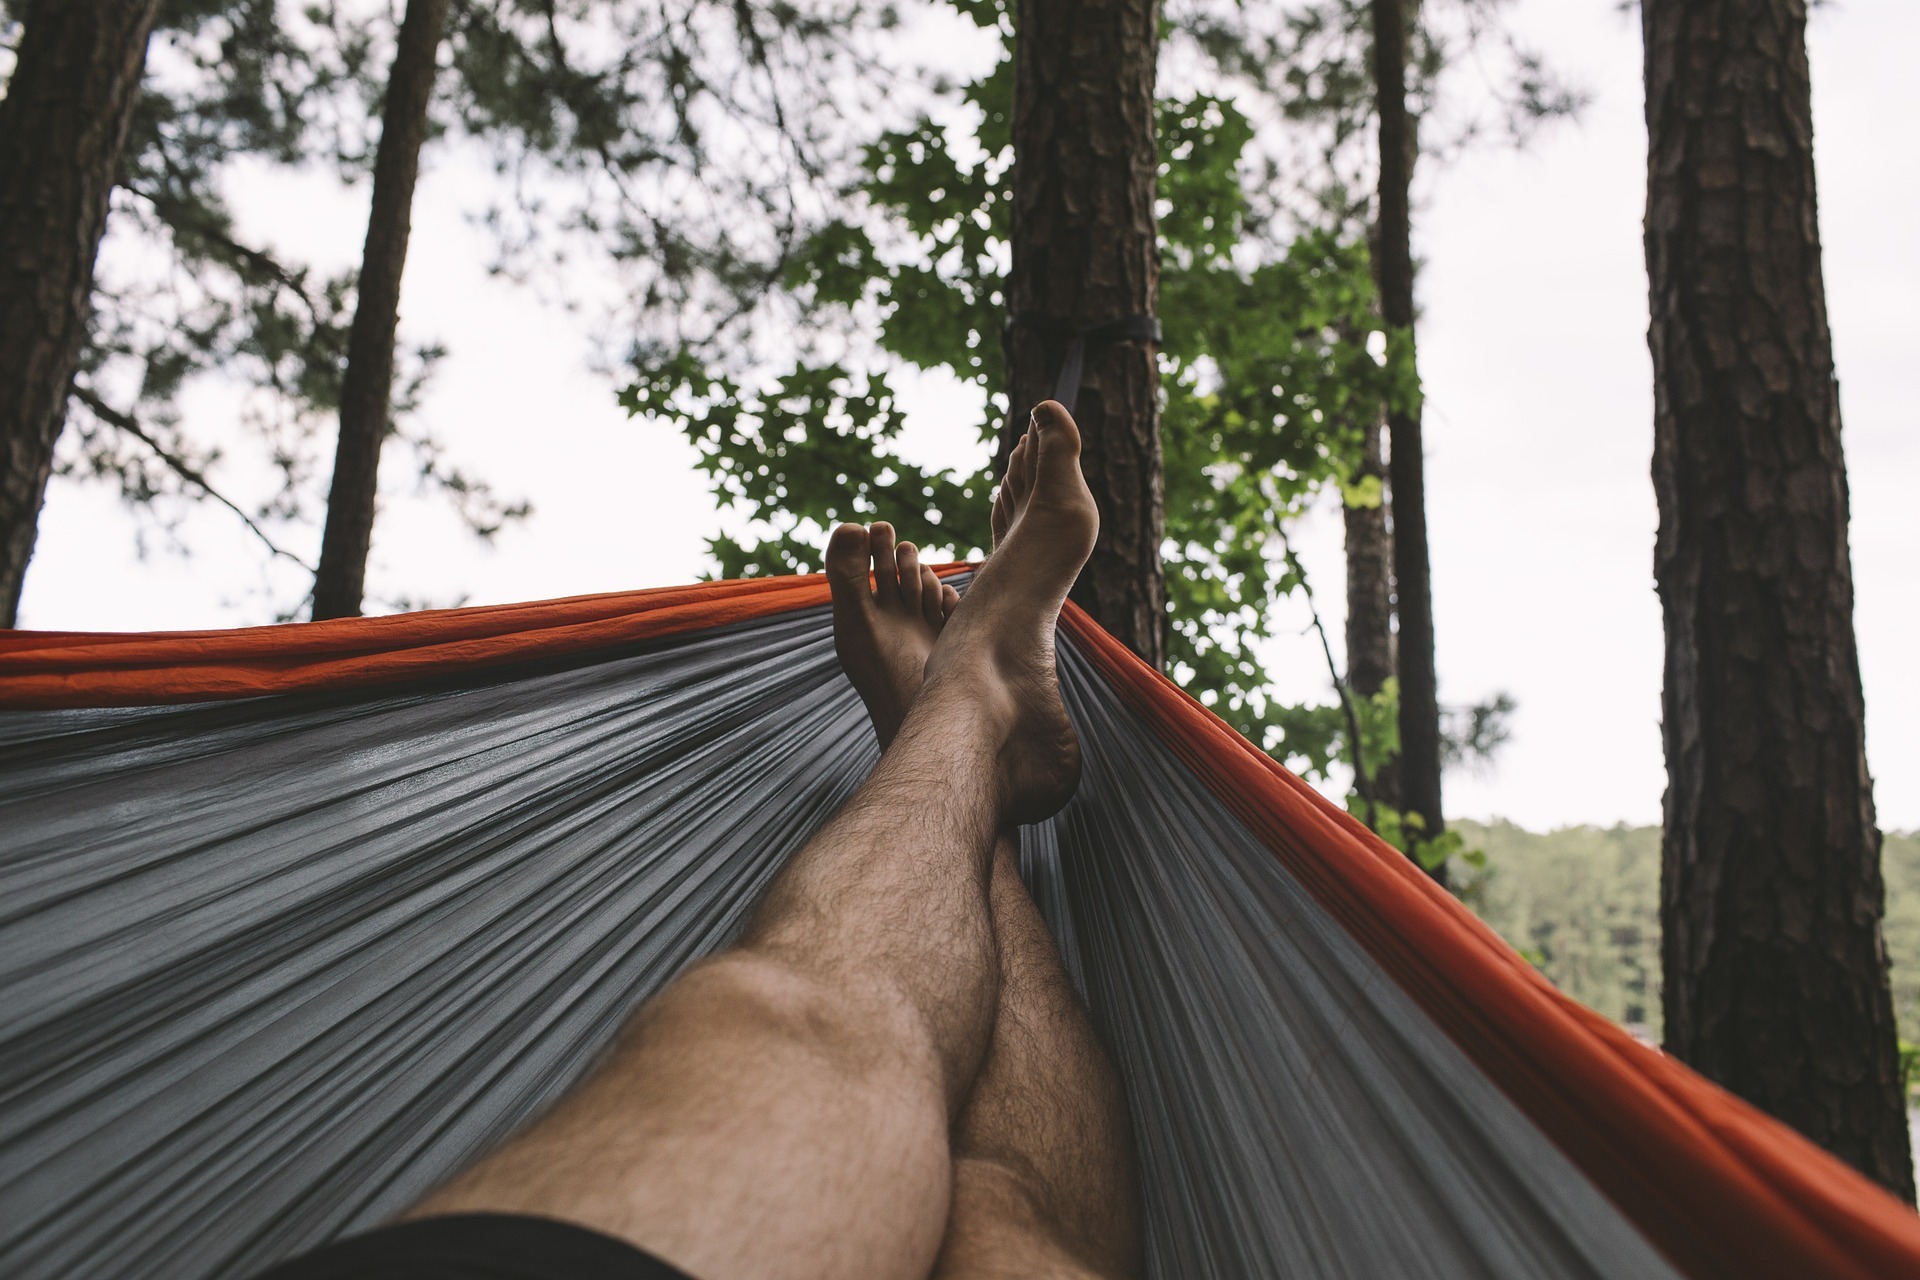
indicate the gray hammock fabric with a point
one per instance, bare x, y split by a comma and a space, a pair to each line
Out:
270, 969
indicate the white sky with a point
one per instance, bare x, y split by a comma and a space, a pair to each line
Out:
1539, 428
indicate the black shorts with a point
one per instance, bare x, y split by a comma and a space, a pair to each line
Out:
477, 1246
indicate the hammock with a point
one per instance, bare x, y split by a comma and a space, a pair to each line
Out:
296, 921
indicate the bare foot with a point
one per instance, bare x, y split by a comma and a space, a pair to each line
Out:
996, 650
884, 626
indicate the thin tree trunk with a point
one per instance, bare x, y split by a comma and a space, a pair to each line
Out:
1775, 974
1370, 640
366, 390
63, 125
1419, 771
1084, 254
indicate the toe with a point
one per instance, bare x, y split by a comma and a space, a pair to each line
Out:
1054, 461
930, 589
907, 562
949, 600
1002, 514
1019, 473
886, 575
847, 564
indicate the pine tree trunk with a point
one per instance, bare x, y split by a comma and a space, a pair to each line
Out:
366, 390
1419, 766
1084, 253
1775, 975
63, 125
1370, 640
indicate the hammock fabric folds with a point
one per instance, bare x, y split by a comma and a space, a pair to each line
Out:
295, 921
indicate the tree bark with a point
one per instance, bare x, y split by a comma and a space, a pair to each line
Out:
1419, 764
63, 125
1084, 253
1775, 973
366, 390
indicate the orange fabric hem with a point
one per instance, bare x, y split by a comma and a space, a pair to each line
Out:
48, 669
1719, 1187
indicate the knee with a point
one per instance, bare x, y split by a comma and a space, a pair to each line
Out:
862, 1028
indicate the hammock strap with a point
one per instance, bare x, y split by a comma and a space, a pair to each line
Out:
1066, 386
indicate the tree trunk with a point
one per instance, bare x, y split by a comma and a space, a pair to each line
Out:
1084, 254
63, 124
1775, 975
366, 390
1419, 765
1370, 640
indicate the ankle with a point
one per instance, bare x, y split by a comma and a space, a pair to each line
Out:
970, 698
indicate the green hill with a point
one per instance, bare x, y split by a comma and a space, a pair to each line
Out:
1583, 903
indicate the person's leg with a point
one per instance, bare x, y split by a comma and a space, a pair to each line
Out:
784, 1108
1044, 1180
1044, 1177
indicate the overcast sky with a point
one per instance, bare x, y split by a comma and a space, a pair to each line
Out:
1539, 429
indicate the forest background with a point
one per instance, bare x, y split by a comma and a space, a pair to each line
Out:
1537, 400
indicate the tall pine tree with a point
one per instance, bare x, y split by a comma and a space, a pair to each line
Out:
366, 386
1418, 770
1775, 973
1084, 255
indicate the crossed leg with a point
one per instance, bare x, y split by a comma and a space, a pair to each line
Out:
1043, 1180
785, 1108
1044, 1186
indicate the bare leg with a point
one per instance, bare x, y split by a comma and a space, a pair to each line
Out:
1044, 1182
784, 1108
1044, 1186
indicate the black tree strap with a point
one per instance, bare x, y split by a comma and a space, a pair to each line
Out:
1066, 387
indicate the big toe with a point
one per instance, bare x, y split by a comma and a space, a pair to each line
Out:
1057, 480
1057, 436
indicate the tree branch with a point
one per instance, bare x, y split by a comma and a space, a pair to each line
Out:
180, 216
1361, 782
181, 467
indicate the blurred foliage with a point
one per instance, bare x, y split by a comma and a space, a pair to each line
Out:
679, 147
682, 148
1309, 64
